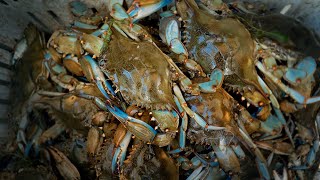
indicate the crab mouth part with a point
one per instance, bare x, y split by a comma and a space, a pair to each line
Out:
253, 109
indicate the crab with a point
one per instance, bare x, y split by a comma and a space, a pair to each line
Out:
217, 47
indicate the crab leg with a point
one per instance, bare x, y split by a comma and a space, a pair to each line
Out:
94, 74
192, 114
21, 138
263, 169
284, 123
293, 93
140, 9
239, 151
182, 130
34, 141
268, 91
85, 26
196, 172
120, 153
138, 128
260, 159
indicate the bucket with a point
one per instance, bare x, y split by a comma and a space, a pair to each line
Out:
50, 15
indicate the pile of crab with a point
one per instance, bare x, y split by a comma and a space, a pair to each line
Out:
188, 95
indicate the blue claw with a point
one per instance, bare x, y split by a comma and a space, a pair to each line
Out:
139, 128
307, 65
217, 75
177, 47
94, 74
293, 76
126, 119
304, 69
120, 153
99, 32
293, 93
82, 25
118, 12
169, 30
137, 12
52, 67
216, 79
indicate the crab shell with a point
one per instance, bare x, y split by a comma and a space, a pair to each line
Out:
140, 72
218, 109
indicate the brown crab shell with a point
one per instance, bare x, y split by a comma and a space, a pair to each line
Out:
140, 71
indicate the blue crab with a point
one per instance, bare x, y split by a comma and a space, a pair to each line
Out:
215, 46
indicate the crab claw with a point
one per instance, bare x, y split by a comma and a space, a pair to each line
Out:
63, 164
137, 127
118, 12
81, 25
120, 153
93, 73
304, 69
100, 32
73, 65
293, 93
143, 8
216, 79
92, 44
